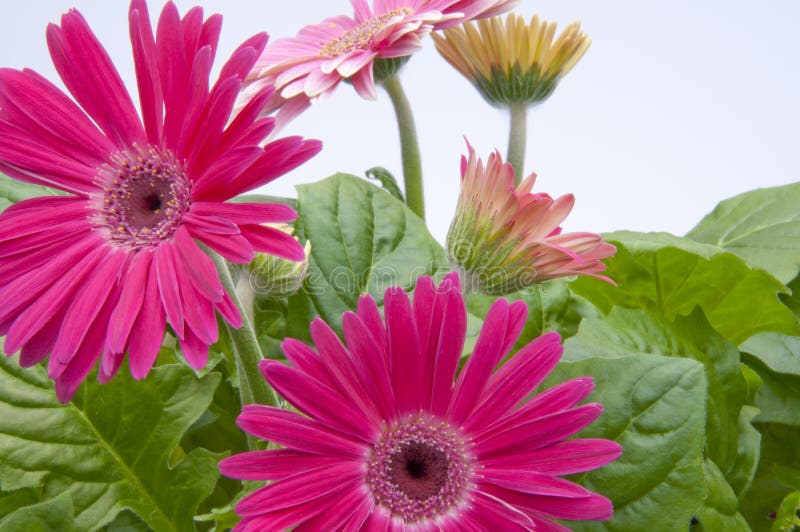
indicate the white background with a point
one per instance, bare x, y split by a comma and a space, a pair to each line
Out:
677, 105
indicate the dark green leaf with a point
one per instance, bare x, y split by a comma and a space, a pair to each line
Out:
387, 180
55, 514
363, 241
654, 407
673, 275
761, 226
114, 447
792, 300
744, 470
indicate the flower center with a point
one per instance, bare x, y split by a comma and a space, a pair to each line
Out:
358, 38
420, 469
145, 196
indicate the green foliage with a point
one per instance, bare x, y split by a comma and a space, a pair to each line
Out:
114, 447
776, 359
762, 227
54, 514
788, 518
387, 181
673, 275
551, 307
629, 332
654, 407
363, 241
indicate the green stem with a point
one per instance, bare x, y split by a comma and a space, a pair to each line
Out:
517, 135
409, 145
252, 385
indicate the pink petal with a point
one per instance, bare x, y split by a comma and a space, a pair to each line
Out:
194, 349
292, 491
133, 282
297, 432
145, 59
273, 241
168, 287
371, 363
316, 400
532, 482
562, 458
485, 356
84, 66
405, 362
148, 331
246, 213
201, 269
273, 464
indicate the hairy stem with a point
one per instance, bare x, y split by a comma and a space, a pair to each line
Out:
409, 145
517, 136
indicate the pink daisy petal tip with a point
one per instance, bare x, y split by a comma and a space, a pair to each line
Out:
385, 430
107, 267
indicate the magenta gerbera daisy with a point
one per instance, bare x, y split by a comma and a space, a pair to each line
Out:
308, 67
391, 436
100, 271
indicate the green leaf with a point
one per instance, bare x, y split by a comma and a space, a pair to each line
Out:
776, 359
654, 407
720, 508
778, 475
13, 191
54, 514
788, 518
749, 453
762, 227
114, 447
673, 275
387, 180
551, 307
792, 300
14, 500
628, 332
363, 241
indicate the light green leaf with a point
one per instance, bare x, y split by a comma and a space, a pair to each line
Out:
13, 191
762, 227
363, 241
788, 518
625, 332
792, 300
55, 514
776, 359
114, 447
720, 508
673, 275
655, 408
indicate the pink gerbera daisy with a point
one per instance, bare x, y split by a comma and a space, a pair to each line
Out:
97, 272
504, 238
308, 68
389, 437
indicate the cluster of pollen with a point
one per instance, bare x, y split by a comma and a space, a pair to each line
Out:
144, 198
420, 469
359, 37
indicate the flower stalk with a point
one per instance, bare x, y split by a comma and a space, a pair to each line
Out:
409, 145
517, 138
253, 388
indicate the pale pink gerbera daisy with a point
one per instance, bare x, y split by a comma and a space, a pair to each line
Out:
311, 65
504, 238
390, 436
98, 272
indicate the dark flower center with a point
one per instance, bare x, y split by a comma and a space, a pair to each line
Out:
420, 469
144, 199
